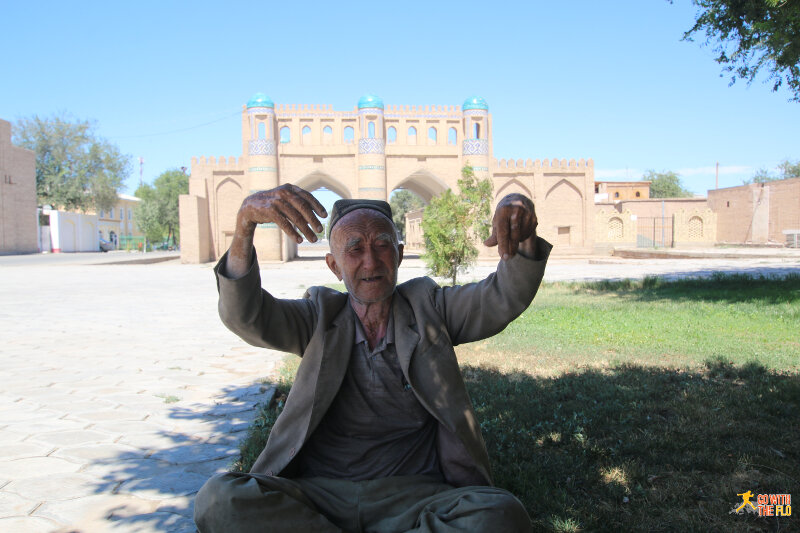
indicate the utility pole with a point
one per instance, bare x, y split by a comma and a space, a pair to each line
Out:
141, 170
141, 182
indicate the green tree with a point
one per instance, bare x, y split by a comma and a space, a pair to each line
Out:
750, 36
157, 213
786, 169
451, 223
666, 185
402, 202
75, 169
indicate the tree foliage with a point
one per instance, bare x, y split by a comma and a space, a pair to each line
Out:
666, 185
157, 213
452, 222
786, 170
750, 36
402, 202
75, 169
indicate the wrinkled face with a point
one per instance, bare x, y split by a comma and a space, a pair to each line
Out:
365, 255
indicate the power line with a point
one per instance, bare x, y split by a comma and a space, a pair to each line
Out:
178, 130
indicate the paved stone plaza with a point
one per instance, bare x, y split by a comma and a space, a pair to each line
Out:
121, 392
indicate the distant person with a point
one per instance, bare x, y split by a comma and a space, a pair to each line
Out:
378, 432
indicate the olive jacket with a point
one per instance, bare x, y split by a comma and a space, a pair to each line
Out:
428, 320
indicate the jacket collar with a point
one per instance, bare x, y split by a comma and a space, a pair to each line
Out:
406, 337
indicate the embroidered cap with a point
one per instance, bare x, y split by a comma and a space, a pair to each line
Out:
342, 207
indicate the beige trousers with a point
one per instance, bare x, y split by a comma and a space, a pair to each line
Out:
244, 503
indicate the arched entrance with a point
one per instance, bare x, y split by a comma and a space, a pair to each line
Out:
422, 186
327, 190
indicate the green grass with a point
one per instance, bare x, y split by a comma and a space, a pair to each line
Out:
735, 318
168, 398
638, 406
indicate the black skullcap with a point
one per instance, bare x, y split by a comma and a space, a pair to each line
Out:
342, 207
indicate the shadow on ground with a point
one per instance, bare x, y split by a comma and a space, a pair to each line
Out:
157, 483
763, 286
630, 448
642, 448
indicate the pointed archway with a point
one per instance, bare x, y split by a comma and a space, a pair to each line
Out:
327, 190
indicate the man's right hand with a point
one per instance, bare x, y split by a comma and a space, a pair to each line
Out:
288, 206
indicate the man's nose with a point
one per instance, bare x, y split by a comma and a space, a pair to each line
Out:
371, 258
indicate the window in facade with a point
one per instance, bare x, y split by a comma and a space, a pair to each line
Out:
371, 130
286, 134
349, 134
262, 130
392, 135
412, 135
432, 135
452, 136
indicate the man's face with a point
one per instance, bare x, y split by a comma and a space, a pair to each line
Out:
365, 255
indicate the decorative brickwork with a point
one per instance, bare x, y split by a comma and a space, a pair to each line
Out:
370, 146
475, 147
694, 228
261, 147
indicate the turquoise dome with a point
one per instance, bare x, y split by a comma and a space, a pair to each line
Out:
260, 100
475, 102
370, 101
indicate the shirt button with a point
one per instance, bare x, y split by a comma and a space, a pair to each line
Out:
270, 473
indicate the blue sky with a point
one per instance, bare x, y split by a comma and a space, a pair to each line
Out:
611, 81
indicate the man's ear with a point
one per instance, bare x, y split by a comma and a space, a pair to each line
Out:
399, 254
331, 262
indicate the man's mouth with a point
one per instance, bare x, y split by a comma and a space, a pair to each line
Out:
372, 279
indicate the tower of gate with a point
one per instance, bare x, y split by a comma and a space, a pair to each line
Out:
475, 149
371, 149
261, 172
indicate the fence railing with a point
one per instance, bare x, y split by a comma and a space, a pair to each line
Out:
654, 232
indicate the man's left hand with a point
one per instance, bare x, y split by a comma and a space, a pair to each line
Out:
513, 226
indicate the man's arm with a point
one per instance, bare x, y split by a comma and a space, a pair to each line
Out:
244, 307
479, 310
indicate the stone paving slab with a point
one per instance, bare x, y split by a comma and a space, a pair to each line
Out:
123, 394
140, 395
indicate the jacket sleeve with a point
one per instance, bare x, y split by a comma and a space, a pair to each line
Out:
258, 317
479, 310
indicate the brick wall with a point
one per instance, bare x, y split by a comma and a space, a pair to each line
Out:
18, 218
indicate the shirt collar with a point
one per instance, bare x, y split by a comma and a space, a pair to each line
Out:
387, 339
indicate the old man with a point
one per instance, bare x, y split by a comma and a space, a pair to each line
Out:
378, 432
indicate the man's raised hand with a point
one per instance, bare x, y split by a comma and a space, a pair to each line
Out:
288, 206
513, 226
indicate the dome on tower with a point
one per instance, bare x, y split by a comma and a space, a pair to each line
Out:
260, 100
370, 100
475, 102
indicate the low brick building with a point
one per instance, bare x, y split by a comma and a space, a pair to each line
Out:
18, 223
757, 213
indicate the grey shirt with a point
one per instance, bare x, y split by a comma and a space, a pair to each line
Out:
375, 426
